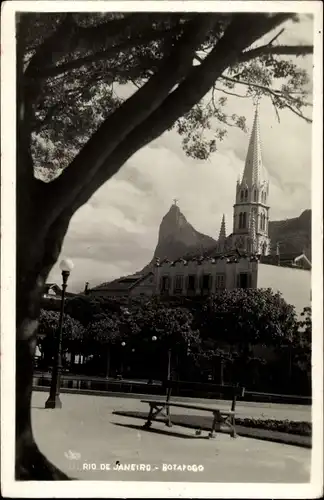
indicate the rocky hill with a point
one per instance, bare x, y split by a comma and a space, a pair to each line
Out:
177, 237
294, 235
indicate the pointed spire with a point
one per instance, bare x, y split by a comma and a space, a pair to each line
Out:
222, 232
222, 236
254, 171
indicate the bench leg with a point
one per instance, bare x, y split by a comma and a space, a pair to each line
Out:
148, 423
233, 431
168, 415
212, 433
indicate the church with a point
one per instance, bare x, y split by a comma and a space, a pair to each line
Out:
251, 209
243, 259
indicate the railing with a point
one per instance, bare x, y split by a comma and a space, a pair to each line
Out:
84, 383
265, 397
99, 384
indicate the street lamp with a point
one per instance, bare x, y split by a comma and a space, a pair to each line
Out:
121, 369
150, 380
54, 401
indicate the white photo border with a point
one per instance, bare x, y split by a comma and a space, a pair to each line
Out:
130, 489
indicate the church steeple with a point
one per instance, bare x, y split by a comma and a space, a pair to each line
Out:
254, 172
222, 236
222, 232
251, 210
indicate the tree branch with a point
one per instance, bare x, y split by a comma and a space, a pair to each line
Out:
242, 32
231, 93
275, 92
132, 112
276, 36
44, 52
283, 50
298, 113
69, 37
150, 36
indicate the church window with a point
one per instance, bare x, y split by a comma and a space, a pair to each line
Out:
178, 283
262, 222
240, 220
240, 243
244, 280
246, 194
206, 279
242, 195
220, 282
254, 195
244, 220
165, 284
191, 282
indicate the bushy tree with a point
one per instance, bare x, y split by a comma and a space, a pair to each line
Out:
302, 342
248, 317
69, 69
171, 325
72, 333
49, 324
83, 308
104, 330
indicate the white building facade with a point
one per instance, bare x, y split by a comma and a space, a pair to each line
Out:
205, 276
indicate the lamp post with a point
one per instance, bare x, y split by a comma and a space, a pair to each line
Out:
169, 364
54, 401
122, 361
150, 380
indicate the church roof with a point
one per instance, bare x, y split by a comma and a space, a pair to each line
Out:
254, 171
125, 283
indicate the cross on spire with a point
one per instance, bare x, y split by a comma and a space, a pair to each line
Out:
175, 201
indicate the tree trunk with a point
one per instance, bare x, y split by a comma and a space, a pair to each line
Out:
108, 362
221, 365
31, 464
37, 251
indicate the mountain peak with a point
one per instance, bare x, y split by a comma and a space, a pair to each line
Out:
178, 237
172, 221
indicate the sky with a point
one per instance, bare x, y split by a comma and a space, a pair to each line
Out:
116, 232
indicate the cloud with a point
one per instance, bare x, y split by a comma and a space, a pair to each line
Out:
116, 232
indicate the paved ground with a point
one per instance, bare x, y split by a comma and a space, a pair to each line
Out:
244, 409
86, 440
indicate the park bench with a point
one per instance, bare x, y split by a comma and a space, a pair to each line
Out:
220, 416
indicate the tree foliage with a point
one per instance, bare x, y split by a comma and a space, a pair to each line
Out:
105, 330
302, 341
248, 316
172, 326
49, 325
98, 58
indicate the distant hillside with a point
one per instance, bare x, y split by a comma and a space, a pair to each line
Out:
294, 235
